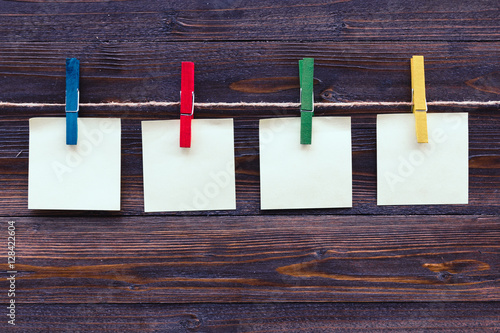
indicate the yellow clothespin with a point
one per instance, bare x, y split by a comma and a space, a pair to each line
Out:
419, 103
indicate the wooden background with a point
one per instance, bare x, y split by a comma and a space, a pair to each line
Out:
369, 268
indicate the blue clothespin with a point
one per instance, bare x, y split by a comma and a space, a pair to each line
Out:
72, 100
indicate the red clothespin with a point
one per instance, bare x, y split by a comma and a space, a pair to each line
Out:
187, 103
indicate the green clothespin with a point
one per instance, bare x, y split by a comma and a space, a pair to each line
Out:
306, 73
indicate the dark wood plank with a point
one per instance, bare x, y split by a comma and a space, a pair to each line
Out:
257, 259
484, 162
249, 72
179, 20
248, 51
374, 75
258, 317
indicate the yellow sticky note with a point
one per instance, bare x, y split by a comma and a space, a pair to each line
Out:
188, 179
294, 176
412, 173
85, 176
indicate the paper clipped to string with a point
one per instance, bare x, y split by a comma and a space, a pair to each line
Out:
195, 179
297, 176
412, 173
85, 176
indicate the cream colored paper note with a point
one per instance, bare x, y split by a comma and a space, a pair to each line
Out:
412, 173
305, 176
188, 179
85, 176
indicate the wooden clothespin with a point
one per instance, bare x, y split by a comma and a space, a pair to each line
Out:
306, 73
187, 103
72, 100
419, 102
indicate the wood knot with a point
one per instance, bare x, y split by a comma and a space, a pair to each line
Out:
169, 20
445, 276
331, 95
321, 253
191, 324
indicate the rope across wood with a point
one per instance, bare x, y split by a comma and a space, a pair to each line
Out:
257, 104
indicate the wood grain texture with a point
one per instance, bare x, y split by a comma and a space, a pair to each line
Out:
130, 271
234, 72
325, 258
229, 20
261, 317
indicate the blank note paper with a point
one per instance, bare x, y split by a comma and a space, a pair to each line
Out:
411, 173
293, 175
201, 177
85, 176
